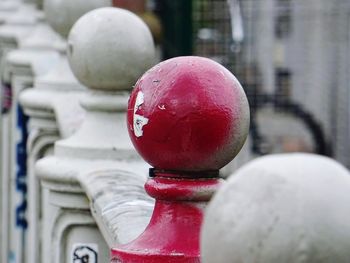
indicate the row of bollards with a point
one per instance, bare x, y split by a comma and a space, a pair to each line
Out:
75, 190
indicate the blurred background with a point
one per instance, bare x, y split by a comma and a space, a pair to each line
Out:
292, 58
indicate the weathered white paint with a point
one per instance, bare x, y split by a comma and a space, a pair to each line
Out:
139, 121
280, 208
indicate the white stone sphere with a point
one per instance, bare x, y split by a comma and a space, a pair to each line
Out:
62, 14
282, 208
110, 48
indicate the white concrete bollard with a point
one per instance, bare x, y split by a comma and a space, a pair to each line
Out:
21, 69
108, 50
280, 208
48, 119
37, 54
8, 6
23, 13
16, 24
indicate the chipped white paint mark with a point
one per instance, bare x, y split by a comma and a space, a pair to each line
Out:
161, 107
139, 121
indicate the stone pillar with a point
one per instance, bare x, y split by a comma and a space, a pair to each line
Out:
21, 69
187, 117
17, 23
37, 54
280, 208
19, 13
48, 119
108, 49
8, 7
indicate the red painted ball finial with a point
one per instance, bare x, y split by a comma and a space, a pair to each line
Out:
188, 113
187, 117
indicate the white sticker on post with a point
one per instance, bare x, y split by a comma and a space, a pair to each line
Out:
85, 253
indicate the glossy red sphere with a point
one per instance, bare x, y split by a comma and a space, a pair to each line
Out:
188, 114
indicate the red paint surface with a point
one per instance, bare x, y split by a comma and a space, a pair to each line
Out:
181, 189
192, 105
173, 232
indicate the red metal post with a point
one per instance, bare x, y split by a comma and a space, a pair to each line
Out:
187, 117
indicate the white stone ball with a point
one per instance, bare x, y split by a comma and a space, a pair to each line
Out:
110, 48
286, 208
62, 14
